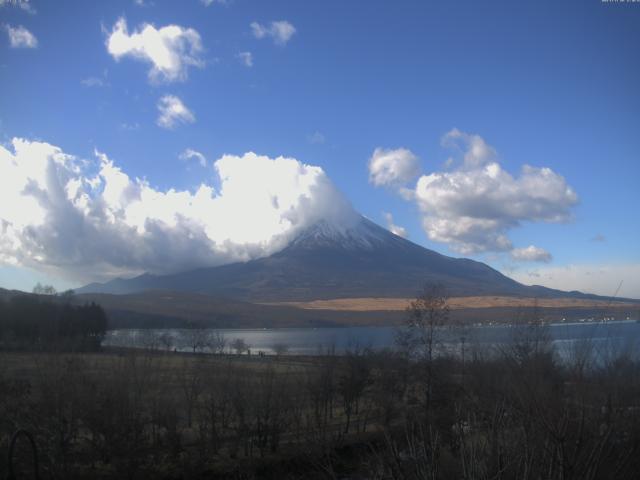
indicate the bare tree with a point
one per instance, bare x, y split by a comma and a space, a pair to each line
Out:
353, 381
67, 296
196, 338
166, 340
239, 345
191, 380
426, 315
44, 289
216, 342
531, 338
280, 348
216, 409
148, 339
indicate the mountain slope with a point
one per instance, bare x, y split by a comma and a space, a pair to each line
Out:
357, 259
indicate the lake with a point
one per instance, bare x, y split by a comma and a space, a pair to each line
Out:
606, 338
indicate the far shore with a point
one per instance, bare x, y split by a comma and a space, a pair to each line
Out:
455, 303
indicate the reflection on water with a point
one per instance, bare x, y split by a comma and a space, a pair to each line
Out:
569, 339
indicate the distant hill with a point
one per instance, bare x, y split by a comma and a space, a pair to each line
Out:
174, 309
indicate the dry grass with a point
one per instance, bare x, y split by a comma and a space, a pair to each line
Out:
455, 303
27, 365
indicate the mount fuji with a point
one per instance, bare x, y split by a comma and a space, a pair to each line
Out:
353, 258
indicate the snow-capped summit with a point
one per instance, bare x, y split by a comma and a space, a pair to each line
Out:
358, 233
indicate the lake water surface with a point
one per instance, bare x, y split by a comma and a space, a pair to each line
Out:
605, 338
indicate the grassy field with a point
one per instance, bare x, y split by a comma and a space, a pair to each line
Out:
125, 413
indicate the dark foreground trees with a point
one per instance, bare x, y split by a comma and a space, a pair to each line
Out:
31, 322
164, 415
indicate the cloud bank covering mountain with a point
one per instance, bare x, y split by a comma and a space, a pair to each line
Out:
87, 219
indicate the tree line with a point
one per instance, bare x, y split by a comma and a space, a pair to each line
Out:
50, 321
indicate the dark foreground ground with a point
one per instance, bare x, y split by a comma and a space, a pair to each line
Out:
136, 415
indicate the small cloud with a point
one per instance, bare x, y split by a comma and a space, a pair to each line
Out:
531, 254
94, 82
173, 112
407, 193
208, 3
20, 37
393, 167
245, 58
280, 31
599, 238
189, 154
170, 50
393, 228
316, 138
129, 126
143, 3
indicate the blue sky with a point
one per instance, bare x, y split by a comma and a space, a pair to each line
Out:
551, 85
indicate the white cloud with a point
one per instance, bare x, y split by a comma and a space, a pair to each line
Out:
88, 220
22, 4
189, 153
20, 37
475, 151
171, 112
280, 32
530, 254
393, 168
246, 58
600, 279
473, 207
170, 50
316, 138
392, 227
